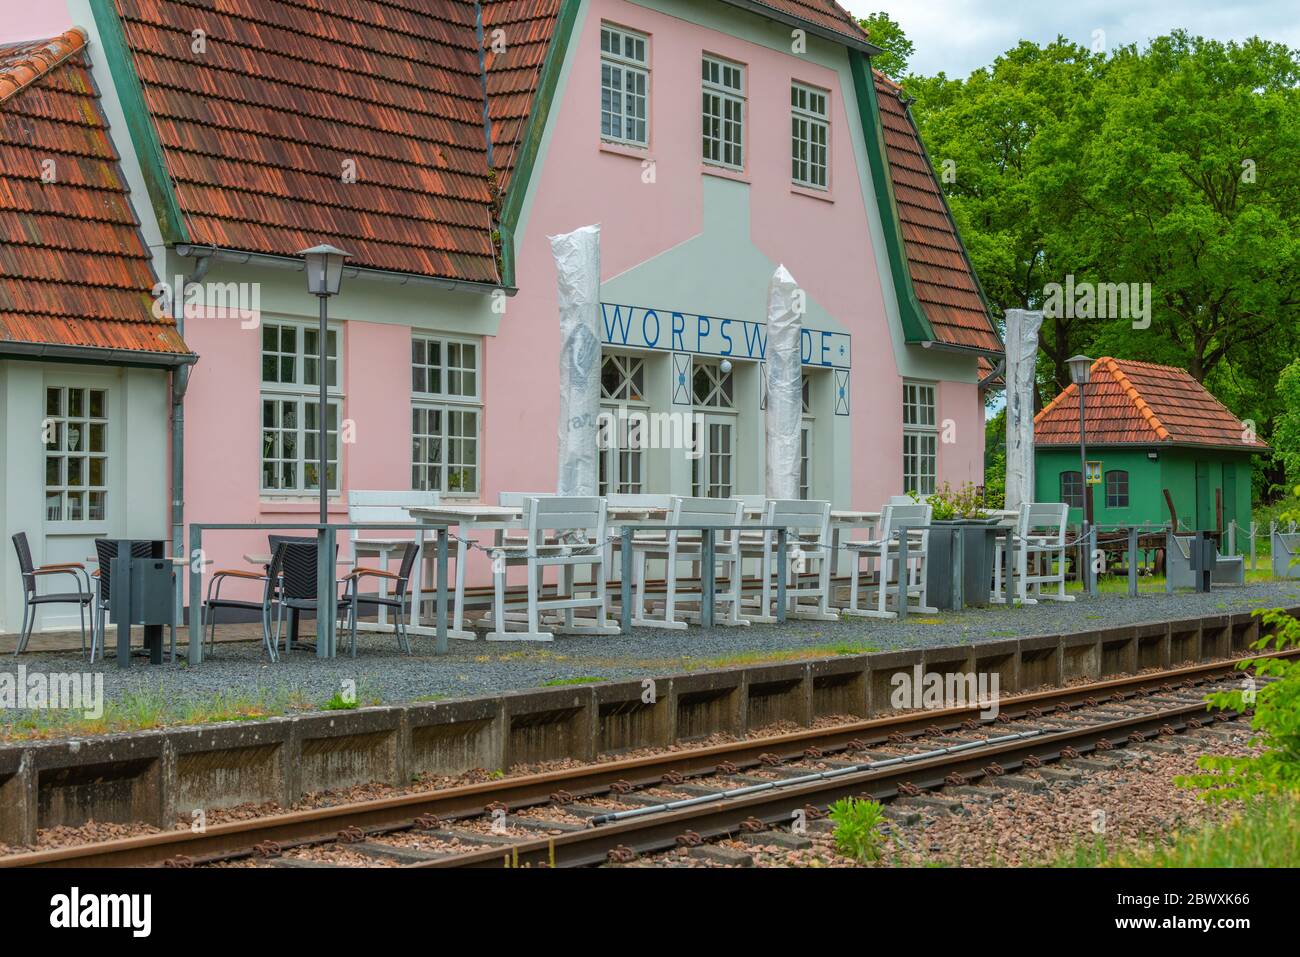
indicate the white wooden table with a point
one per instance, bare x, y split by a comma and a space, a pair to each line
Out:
468, 518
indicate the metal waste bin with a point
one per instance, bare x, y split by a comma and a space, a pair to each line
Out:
142, 593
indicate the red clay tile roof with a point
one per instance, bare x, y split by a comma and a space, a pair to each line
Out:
74, 269
258, 131
941, 274
1138, 403
824, 13
512, 74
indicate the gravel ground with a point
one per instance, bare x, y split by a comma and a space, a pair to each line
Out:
240, 682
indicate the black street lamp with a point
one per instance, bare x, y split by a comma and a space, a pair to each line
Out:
1080, 373
324, 276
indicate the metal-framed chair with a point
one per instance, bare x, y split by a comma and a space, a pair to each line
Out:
82, 599
1039, 532
676, 546
269, 580
563, 533
105, 552
884, 551
398, 599
808, 524
297, 568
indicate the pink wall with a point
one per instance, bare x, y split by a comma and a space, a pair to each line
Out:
826, 245
32, 21
962, 460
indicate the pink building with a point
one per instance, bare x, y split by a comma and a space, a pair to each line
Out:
711, 139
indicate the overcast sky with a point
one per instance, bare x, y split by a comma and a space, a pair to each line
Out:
957, 36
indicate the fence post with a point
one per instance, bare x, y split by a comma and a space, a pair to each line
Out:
1232, 537
1170, 545
1132, 561
195, 562
902, 573
782, 541
625, 582
1008, 582
1254, 530
707, 562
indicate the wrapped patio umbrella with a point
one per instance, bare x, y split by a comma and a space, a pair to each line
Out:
784, 385
577, 265
1022, 356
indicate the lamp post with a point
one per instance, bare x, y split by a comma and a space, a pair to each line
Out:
1080, 373
324, 275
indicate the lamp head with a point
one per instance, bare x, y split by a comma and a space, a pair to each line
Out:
324, 269
1080, 369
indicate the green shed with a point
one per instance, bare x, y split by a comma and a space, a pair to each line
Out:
1149, 428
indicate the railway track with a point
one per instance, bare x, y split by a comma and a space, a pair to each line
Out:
617, 810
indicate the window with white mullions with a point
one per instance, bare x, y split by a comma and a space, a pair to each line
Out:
713, 388
622, 378
75, 430
620, 442
445, 415
624, 86
291, 406
291, 445
920, 438
713, 471
724, 113
806, 439
809, 136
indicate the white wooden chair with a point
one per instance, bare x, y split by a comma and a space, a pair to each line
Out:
883, 551
390, 507
1039, 532
808, 541
562, 533
676, 546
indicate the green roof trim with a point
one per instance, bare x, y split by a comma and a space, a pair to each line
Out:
162, 196
916, 327
522, 174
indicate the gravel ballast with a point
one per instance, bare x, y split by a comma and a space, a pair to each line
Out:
239, 677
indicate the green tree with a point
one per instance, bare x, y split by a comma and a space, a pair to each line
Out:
1286, 430
889, 36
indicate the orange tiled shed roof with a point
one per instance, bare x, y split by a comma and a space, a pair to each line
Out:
1139, 403
75, 270
260, 130
941, 274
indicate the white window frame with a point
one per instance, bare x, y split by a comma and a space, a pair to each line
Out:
300, 393
622, 468
722, 113
805, 123
624, 65
716, 408
56, 431
450, 405
920, 437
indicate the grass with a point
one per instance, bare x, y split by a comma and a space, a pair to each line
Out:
1265, 834
1118, 584
575, 680
155, 708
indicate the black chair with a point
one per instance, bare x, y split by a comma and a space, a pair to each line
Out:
296, 568
105, 552
82, 599
398, 599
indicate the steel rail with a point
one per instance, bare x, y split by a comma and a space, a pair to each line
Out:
721, 818
312, 825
